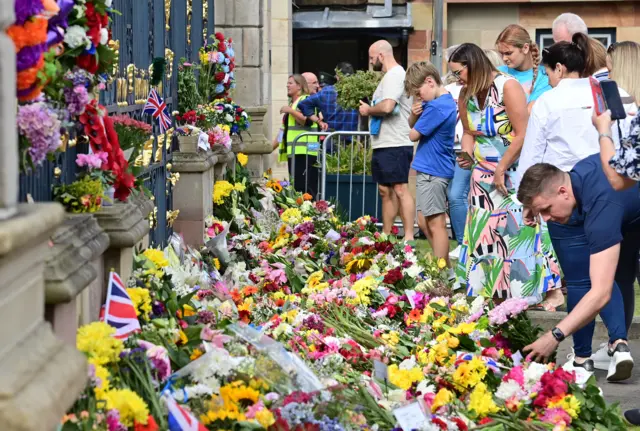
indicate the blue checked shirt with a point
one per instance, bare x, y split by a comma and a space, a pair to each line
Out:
325, 101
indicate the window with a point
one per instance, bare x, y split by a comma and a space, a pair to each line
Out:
605, 35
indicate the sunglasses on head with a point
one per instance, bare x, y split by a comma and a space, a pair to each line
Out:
612, 47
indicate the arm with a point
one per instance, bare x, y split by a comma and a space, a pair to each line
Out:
308, 108
416, 111
381, 109
515, 103
608, 151
428, 123
468, 140
414, 135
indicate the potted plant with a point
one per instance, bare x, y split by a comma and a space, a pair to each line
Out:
349, 180
354, 88
93, 189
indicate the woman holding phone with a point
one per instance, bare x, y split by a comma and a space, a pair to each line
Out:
500, 257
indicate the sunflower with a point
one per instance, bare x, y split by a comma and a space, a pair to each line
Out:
359, 265
277, 187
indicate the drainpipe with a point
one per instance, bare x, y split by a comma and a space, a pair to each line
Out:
438, 29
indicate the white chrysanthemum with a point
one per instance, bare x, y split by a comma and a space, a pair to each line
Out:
76, 36
510, 389
408, 364
477, 305
424, 387
534, 373
104, 36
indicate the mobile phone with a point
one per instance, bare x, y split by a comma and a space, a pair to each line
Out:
612, 100
365, 100
466, 156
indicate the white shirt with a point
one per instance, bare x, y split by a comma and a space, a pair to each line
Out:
560, 130
394, 129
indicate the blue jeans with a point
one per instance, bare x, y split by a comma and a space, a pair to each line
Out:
572, 248
458, 193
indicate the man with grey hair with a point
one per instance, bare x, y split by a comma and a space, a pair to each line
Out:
566, 25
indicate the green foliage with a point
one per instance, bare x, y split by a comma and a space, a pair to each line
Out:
353, 158
84, 195
188, 95
352, 89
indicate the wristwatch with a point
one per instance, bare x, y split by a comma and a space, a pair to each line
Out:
605, 135
558, 334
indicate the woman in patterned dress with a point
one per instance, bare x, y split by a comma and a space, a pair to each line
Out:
500, 257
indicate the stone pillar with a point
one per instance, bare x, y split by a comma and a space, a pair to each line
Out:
41, 375
193, 194
127, 226
245, 21
74, 275
9, 161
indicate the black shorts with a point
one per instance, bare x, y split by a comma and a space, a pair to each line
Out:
391, 165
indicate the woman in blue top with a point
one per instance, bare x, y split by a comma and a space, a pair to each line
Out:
521, 56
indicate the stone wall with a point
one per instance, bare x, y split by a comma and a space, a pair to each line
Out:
422, 35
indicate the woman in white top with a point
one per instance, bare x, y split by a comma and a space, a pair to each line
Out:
560, 132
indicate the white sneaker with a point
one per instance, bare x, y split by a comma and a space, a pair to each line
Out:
601, 358
583, 371
455, 253
621, 363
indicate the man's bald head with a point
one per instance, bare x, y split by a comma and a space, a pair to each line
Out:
381, 56
312, 82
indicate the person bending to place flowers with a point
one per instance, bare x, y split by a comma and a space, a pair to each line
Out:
433, 121
521, 56
611, 222
560, 132
500, 257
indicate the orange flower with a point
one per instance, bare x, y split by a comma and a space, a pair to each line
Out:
414, 315
33, 32
299, 201
280, 302
196, 354
277, 187
307, 197
249, 290
150, 426
27, 77
236, 296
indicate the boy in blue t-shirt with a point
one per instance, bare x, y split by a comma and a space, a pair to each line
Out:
433, 121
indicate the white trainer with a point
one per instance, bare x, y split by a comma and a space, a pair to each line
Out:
583, 371
455, 253
621, 363
601, 358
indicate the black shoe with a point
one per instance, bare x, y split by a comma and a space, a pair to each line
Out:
632, 416
588, 365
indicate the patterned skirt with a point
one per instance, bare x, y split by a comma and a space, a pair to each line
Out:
500, 256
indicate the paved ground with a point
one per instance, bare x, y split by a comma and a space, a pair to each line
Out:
626, 393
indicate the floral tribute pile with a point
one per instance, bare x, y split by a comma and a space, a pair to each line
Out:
292, 319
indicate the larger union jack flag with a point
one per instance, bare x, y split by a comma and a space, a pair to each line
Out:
180, 419
119, 310
158, 109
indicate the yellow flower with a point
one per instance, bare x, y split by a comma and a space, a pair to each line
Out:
291, 216
463, 328
243, 159
391, 339
569, 404
97, 341
239, 394
196, 354
216, 263
363, 288
141, 300
265, 418
182, 338
481, 401
221, 190
442, 398
442, 263
156, 256
102, 381
204, 57
469, 374
404, 378
239, 187
130, 406
359, 265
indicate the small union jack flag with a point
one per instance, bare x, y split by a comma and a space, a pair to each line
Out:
119, 310
180, 419
158, 109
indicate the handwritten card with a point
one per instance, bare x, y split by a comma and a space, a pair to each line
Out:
410, 294
380, 370
411, 417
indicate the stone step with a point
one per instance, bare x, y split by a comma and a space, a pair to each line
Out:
548, 319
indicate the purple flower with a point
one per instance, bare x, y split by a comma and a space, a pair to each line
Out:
205, 316
25, 9
77, 98
157, 308
113, 421
78, 76
29, 56
159, 357
284, 183
305, 228
40, 125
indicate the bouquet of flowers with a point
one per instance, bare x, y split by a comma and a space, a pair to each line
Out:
217, 62
227, 113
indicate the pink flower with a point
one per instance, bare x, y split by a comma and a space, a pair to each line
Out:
92, 161
159, 359
556, 416
374, 389
251, 411
516, 374
217, 338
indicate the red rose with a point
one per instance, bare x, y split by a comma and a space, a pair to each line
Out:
94, 34
222, 47
150, 426
219, 76
220, 37
87, 62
